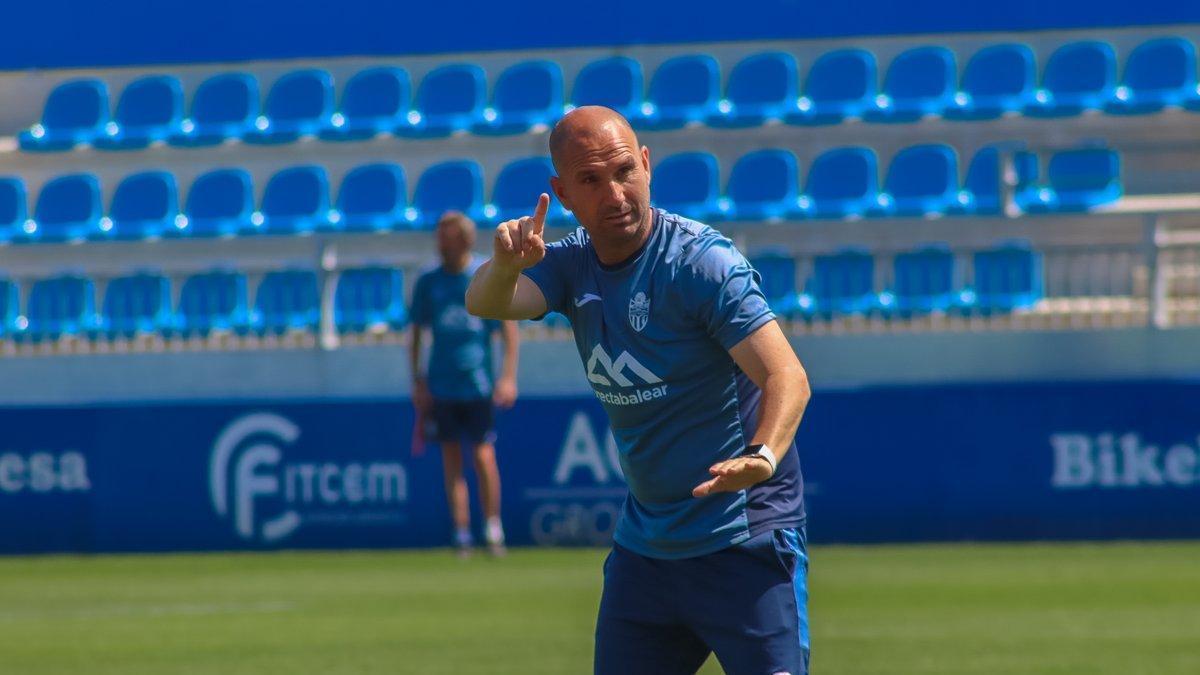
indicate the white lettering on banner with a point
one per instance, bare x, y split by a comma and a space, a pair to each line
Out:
43, 472
259, 474
1115, 462
574, 523
581, 451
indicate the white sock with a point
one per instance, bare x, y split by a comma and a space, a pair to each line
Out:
495, 530
462, 536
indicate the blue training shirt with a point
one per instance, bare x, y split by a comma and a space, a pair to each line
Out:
460, 359
654, 335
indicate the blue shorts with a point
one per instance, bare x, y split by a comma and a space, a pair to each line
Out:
747, 604
463, 421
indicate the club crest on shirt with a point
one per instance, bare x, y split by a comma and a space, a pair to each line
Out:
639, 311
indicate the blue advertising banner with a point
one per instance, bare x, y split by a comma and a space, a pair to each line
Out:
1030, 461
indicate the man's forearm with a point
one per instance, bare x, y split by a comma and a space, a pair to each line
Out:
508, 333
785, 395
414, 354
490, 294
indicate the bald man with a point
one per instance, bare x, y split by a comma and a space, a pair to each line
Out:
704, 395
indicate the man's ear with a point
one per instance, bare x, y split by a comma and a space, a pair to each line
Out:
557, 186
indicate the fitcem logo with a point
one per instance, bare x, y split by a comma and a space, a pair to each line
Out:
1113, 461
267, 498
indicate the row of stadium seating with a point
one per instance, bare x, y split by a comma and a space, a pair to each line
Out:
370, 299
763, 185
840, 85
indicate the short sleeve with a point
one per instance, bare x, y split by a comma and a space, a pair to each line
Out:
554, 273
422, 311
725, 293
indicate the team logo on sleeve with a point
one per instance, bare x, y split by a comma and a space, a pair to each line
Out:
639, 311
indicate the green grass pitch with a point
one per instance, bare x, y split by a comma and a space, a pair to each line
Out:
1070, 609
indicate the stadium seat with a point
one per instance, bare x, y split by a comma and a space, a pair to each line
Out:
14, 209
842, 283
369, 299
516, 190
374, 101
999, 79
980, 193
842, 182
919, 82
212, 302
450, 99
68, 209
219, 204
688, 184
10, 308
149, 111
778, 283
145, 206
373, 198
60, 306
76, 113
761, 88
1079, 76
763, 185
299, 104
684, 90
287, 300
1158, 74
1007, 278
454, 185
923, 282
841, 84
615, 82
224, 107
921, 180
528, 96
136, 305
1077, 181
296, 201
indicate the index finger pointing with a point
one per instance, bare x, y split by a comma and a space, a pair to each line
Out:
539, 214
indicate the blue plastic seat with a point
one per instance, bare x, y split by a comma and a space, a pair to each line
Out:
213, 302
921, 180
842, 182
369, 299
614, 82
517, 188
980, 193
220, 203
924, 281
76, 113
778, 282
68, 209
456, 185
374, 101
373, 198
1007, 278
1158, 74
763, 185
145, 206
288, 300
919, 82
761, 88
296, 201
688, 184
684, 90
842, 283
528, 96
150, 110
10, 308
1079, 76
998, 79
450, 99
60, 306
14, 209
299, 104
841, 84
224, 107
136, 305
1078, 180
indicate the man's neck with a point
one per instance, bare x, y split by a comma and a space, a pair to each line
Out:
456, 266
616, 256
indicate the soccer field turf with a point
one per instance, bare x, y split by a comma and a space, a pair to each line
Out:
1070, 609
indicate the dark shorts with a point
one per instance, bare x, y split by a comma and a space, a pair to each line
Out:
747, 604
462, 421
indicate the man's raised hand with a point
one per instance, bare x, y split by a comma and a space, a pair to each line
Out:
518, 243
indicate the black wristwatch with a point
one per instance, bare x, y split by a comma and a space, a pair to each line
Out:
761, 450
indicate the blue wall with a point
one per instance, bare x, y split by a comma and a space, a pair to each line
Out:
60, 33
1030, 461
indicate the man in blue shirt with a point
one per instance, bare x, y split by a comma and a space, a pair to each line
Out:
704, 395
456, 392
